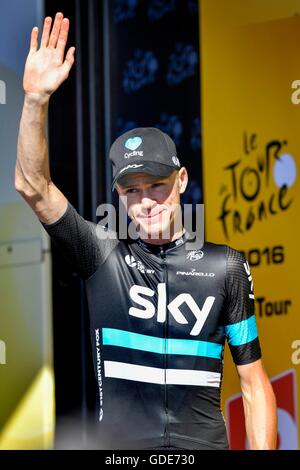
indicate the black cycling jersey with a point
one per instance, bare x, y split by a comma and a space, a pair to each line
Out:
159, 317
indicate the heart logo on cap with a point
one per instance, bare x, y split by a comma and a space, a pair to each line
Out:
133, 143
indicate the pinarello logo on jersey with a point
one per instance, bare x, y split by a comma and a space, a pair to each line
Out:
284, 386
193, 272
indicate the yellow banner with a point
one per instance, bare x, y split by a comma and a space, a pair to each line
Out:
27, 404
251, 148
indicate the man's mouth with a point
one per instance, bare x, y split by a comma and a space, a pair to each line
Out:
153, 214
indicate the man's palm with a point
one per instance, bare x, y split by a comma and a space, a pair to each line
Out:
45, 68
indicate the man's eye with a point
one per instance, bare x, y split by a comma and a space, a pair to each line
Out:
131, 190
157, 184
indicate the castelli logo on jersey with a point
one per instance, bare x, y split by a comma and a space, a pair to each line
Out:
138, 294
195, 255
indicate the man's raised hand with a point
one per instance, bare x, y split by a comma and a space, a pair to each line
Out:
47, 67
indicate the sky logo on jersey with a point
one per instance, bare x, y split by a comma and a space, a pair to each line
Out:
179, 241
138, 294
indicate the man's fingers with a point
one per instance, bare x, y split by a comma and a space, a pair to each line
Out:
55, 30
63, 36
70, 57
69, 60
46, 31
34, 39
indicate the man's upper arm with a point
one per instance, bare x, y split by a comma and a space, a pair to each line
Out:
79, 242
253, 371
240, 321
254, 379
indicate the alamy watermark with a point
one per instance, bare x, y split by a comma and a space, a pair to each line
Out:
2, 352
2, 92
295, 97
161, 224
295, 358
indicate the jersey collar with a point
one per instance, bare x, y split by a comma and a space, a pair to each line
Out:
164, 246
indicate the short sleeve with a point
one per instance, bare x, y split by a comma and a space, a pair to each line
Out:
81, 242
240, 321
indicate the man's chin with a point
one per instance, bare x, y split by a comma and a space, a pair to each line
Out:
154, 232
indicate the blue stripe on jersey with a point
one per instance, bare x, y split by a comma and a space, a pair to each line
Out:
242, 332
185, 347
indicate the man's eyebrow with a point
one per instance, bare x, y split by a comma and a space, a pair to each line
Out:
128, 185
132, 185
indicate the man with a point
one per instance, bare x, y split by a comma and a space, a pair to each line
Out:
159, 312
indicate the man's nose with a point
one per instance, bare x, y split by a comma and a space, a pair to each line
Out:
147, 202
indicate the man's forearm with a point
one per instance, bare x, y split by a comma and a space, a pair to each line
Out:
32, 167
261, 417
46, 68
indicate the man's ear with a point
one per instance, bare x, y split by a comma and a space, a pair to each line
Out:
183, 179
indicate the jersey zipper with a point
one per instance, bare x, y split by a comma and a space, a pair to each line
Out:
166, 434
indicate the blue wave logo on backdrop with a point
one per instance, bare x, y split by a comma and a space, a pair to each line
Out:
182, 63
140, 71
172, 126
158, 8
124, 10
124, 126
196, 134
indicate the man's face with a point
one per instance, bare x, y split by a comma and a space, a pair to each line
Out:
153, 201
